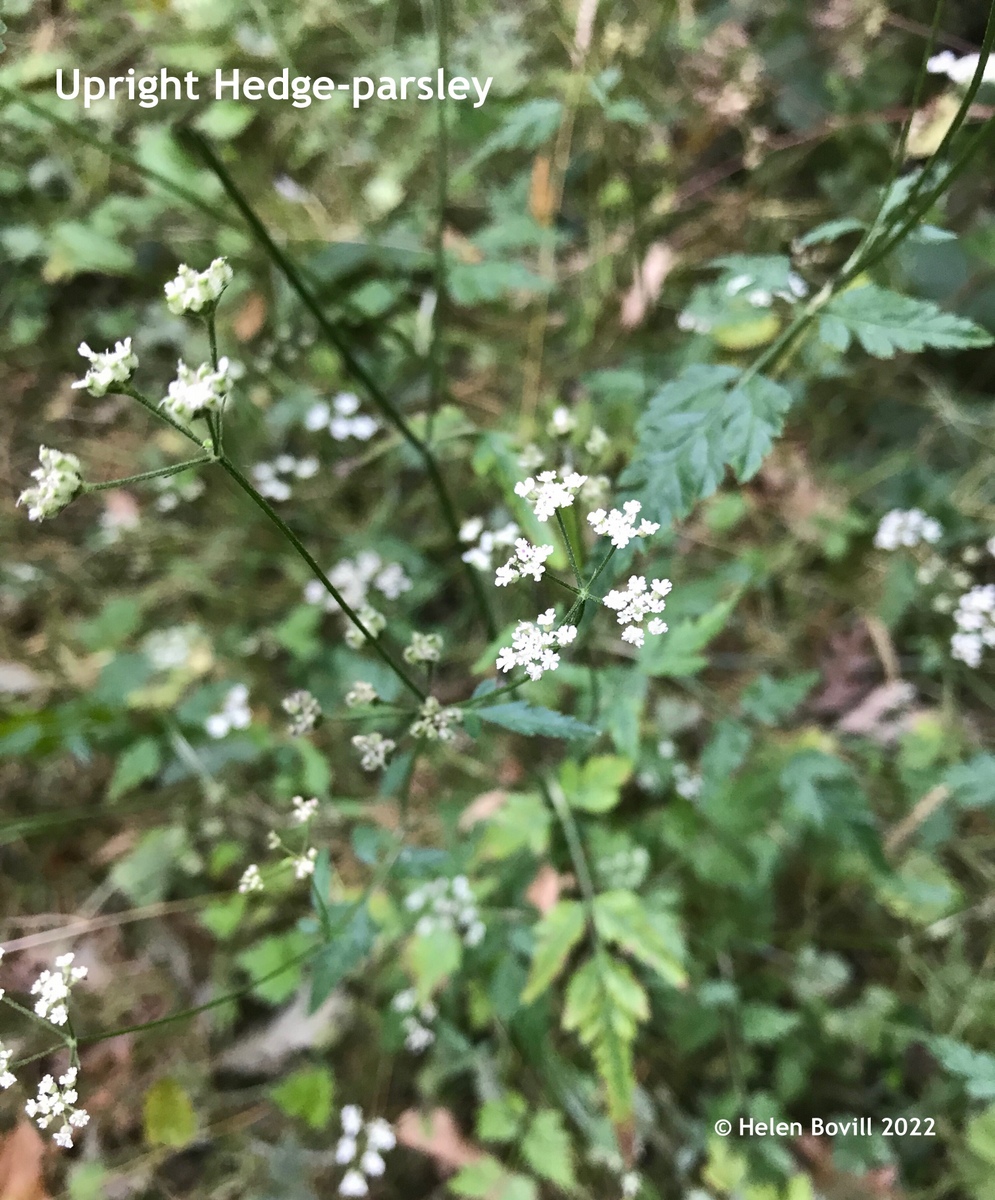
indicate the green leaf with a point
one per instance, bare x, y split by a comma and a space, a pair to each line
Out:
885, 322
546, 1148
520, 717
352, 939
770, 701
624, 920
521, 823
432, 958
479, 283
139, 762
145, 874
555, 936
75, 247
975, 1067
168, 1115
268, 956
306, 1094
499, 1120
707, 419
972, 783
764, 1025
604, 1005
677, 653
829, 231
594, 787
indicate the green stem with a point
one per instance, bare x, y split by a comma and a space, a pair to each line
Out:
351, 362
597, 574
436, 354
157, 412
215, 423
563, 583
333, 591
569, 545
159, 473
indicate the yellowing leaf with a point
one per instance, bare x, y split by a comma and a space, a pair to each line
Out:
748, 333
556, 935
169, 1115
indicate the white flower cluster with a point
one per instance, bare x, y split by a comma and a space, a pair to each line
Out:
193, 291
634, 604
341, 418
527, 560
797, 289
488, 540
687, 783
689, 322
416, 1020
355, 578
423, 648
304, 863
532, 645
378, 1137
106, 369
619, 524
53, 989
303, 810
58, 482
960, 70
361, 693
907, 527
271, 478
435, 722
975, 621
374, 621
373, 750
235, 713
304, 712
7, 1077
171, 649
548, 492
251, 881
196, 393
57, 1102
447, 904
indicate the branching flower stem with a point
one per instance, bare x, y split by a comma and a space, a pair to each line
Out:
352, 364
160, 473
215, 455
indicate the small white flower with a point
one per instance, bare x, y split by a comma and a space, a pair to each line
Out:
235, 713
597, 441
960, 70
304, 712
59, 481
909, 528
344, 420
361, 693
620, 523
7, 1077
304, 865
373, 621
304, 810
194, 393
548, 492
527, 560
562, 422
424, 648
686, 783
435, 722
53, 989
345, 1150
372, 1163
353, 1184
195, 291
975, 621
373, 749
57, 1101
352, 1119
251, 880
638, 601
532, 646
107, 369
380, 1135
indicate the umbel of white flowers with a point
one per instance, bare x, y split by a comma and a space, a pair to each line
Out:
106, 369
197, 291
59, 481
196, 393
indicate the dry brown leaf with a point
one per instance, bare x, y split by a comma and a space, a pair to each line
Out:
647, 283
544, 891
437, 1135
250, 318
482, 807
542, 200
21, 1175
880, 714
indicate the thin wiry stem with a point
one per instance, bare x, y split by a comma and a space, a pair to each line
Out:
160, 473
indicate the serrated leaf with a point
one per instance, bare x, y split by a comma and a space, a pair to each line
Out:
972, 783
520, 717
168, 1115
623, 919
267, 957
432, 958
677, 654
763, 1025
141, 761
306, 1094
521, 823
499, 1120
697, 426
546, 1148
769, 700
352, 939
829, 231
555, 936
885, 322
604, 1005
595, 785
